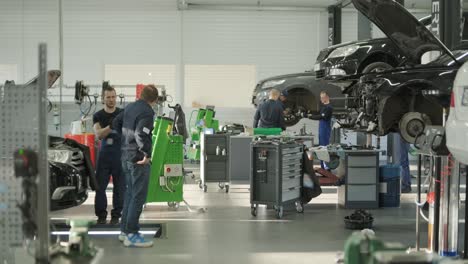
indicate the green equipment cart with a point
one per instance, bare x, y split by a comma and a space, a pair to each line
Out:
167, 174
205, 120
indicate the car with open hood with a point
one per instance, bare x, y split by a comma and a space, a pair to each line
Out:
303, 91
403, 99
361, 56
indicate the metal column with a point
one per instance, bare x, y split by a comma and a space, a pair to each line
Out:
465, 238
418, 208
42, 250
334, 24
447, 21
437, 174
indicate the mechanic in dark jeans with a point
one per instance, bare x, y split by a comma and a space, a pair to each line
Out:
402, 159
136, 125
270, 113
109, 159
324, 117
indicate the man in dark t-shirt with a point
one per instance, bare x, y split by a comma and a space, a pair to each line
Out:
109, 159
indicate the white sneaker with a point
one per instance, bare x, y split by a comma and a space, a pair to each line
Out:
122, 236
137, 240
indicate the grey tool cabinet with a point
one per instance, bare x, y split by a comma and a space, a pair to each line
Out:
239, 158
214, 161
276, 175
361, 190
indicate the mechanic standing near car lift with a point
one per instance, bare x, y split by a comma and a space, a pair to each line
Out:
324, 117
270, 113
401, 158
109, 159
136, 125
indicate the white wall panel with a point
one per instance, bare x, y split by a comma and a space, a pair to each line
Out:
8, 72
276, 42
144, 74
220, 85
23, 24
118, 32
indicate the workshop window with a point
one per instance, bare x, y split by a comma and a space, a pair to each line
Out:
219, 85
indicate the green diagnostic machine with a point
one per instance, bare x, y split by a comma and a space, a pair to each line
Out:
167, 156
205, 120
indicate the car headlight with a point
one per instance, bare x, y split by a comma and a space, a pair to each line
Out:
337, 72
272, 83
60, 155
343, 51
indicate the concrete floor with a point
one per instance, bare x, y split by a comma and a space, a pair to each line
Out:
227, 233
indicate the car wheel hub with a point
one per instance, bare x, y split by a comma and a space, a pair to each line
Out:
412, 125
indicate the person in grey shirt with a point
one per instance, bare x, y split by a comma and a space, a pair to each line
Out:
270, 113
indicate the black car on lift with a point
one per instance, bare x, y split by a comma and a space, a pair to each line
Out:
360, 56
403, 99
70, 168
303, 94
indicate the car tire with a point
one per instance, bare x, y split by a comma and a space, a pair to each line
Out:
377, 67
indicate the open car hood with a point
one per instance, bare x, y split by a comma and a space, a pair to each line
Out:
400, 26
52, 77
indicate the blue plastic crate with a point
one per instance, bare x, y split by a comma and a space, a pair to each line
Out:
389, 171
389, 201
389, 192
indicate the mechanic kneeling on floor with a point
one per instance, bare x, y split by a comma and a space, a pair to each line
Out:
270, 113
109, 159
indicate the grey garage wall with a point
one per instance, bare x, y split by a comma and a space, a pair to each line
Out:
23, 24
155, 32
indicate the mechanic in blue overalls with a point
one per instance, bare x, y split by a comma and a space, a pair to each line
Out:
324, 117
108, 163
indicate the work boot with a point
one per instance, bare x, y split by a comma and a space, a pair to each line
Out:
101, 221
114, 221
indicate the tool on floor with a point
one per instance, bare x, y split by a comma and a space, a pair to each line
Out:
359, 220
205, 120
79, 248
361, 248
365, 248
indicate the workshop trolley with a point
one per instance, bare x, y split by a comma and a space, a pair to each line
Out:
276, 175
214, 161
362, 187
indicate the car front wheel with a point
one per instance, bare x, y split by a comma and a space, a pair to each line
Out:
377, 67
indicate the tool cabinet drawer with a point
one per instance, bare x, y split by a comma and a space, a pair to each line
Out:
362, 176
291, 183
291, 194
